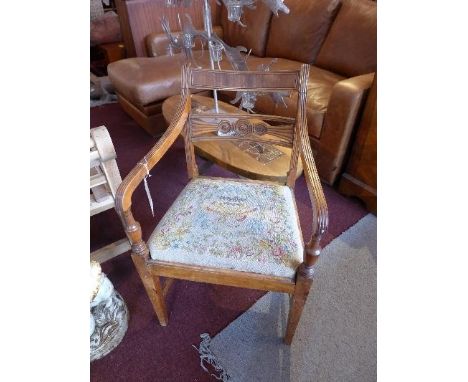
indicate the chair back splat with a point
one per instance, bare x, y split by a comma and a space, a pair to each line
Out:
235, 125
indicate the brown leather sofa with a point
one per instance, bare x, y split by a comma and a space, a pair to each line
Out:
338, 39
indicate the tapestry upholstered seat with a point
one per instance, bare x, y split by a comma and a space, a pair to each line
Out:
242, 225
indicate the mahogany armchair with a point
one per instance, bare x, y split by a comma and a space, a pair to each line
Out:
235, 232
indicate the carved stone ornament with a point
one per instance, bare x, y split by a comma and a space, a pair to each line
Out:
108, 315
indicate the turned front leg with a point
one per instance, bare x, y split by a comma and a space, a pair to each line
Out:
304, 281
140, 255
298, 300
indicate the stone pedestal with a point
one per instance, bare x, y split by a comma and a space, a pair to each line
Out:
108, 315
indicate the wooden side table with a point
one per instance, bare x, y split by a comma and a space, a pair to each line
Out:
360, 176
112, 52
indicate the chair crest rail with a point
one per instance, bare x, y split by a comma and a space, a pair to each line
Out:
245, 80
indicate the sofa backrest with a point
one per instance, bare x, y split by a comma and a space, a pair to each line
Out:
350, 48
255, 35
300, 34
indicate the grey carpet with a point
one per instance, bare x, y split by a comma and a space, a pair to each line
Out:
336, 337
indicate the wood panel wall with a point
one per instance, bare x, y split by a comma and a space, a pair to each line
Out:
139, 18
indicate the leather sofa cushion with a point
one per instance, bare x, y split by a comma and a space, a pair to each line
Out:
144, 80
319, 88
254, 62
264, 104
320, 85
299, 35
350, 48
255, 35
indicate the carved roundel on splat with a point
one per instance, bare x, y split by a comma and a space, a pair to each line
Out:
243, 127
260, 128
224, 127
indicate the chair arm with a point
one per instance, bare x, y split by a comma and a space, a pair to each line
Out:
133, 179
317, 198
345, 104
123, 196
158, 43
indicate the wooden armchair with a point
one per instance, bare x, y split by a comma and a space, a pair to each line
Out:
235, 232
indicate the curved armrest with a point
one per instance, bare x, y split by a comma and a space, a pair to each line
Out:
346, 101
133, 179
123, 196
317, 198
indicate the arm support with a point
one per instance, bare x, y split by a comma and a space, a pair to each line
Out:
317, 198
123, 196
346, 101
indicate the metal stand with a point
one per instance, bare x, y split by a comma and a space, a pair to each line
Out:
209, 30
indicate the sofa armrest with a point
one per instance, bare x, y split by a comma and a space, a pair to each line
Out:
344, 107
157, 43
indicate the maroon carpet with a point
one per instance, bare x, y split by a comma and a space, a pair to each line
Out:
149, 352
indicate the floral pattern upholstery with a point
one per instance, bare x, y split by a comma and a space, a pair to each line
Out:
231, 224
